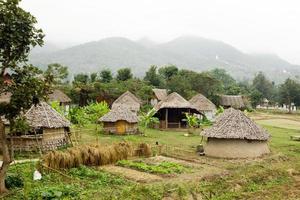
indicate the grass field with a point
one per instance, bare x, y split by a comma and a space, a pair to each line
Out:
275, 176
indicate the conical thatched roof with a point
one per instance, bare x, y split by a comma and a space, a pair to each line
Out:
58, 95
234, 124
174, 100
160, 94
128, 100
235, 101
202, 103
43, 115
120, 113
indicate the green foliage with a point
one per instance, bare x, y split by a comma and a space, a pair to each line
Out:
55, 192
220, 110
124, 74
57, 72
289, 92
20, 125
168, 71
161, 168
13, 181
264, 86
192, 120
106, 76
55, 105
147, 120
152, 77
81, 79
100, 178
94, 111
82, 116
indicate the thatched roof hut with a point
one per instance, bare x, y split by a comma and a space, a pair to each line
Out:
120, 120
44, 116
234, 135
58, 95
129, 101
171, 111
234, 101
160, 94
204, 105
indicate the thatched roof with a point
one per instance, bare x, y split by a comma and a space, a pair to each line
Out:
58, 95
128, 100
202, 103
160, 94
5, 97
234, 124
174, 100
43, 115
235, 101
120, 113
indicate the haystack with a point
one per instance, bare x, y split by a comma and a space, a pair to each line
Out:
158, 95
120, 120
171, 111
204, 105
234, 135
129, 101
232, 101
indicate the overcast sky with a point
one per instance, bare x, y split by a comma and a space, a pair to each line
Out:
262, 26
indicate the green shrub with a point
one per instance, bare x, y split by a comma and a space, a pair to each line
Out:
55, 192
13, 181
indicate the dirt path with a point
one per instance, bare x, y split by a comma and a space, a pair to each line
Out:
132, 174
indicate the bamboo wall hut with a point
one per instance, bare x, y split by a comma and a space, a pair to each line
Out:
234, 135
232, 101
48, 130
158, 95
129, 101
204, 105
62, 98
171, 112
120, 121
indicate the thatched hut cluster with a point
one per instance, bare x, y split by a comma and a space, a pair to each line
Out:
48, 130
120, 120
158, 95
232, 101
171, 111
234, 135
129, 101
204, 105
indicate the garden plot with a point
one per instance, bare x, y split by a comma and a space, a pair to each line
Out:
162, 169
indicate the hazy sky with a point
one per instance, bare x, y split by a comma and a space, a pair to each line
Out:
263, 26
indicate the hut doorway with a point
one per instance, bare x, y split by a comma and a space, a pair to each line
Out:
121, 127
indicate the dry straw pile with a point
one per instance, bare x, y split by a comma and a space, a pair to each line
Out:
91, 155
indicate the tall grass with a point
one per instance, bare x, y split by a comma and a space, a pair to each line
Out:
93, 155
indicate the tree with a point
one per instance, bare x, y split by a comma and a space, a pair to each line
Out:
93, 77
263, 85
106, 76
17, 35
152, 77
289, 92
81, 79
124, 74
168, 71
58, 72
147, 120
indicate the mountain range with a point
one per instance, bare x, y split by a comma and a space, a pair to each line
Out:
194, 53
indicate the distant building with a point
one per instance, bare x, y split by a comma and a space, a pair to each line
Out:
204, 105
234, 135
62, 98
120, 121
158, 95
232, 101
129, 101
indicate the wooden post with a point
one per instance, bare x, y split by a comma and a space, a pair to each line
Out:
167, 118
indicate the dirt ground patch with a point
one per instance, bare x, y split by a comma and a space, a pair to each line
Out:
132, 174
159, 159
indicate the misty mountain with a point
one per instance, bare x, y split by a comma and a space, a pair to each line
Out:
193, 53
